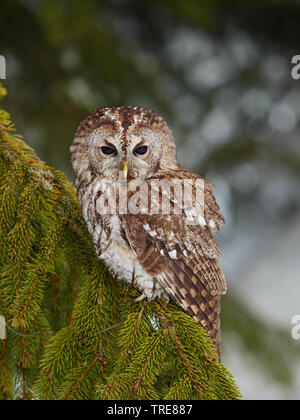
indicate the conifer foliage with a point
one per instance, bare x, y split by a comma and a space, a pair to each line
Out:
73, 331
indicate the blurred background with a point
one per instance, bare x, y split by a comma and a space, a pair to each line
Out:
219, 71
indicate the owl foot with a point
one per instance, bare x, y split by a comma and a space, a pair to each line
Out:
140, 298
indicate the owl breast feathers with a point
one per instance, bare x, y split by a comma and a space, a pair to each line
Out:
152, 220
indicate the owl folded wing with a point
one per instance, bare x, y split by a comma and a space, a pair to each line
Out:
185, 254
181, 260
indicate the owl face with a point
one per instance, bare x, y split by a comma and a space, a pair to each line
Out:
138, 156
134, 141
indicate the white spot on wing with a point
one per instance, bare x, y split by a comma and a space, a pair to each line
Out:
173, 254
202, 221
212, 224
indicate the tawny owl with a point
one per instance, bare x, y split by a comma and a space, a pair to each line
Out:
164, 253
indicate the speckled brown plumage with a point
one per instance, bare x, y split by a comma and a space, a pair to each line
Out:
166, 255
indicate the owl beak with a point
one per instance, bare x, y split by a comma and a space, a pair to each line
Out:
125, 168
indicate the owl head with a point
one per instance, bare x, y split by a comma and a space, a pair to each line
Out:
134, 140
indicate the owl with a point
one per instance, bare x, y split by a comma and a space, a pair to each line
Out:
124, 154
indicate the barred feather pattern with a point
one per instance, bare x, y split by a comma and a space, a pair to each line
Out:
162, 254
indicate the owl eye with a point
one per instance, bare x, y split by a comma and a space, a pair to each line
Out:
106, 150
141, 150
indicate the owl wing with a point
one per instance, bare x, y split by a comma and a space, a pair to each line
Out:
183, 258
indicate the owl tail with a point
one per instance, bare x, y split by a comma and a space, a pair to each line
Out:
197, 301
209, 318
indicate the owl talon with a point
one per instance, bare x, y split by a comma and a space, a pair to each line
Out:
139, 299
